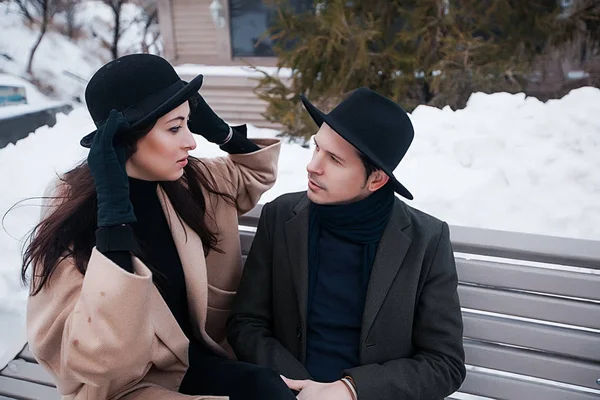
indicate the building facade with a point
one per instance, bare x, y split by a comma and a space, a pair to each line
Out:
221, 33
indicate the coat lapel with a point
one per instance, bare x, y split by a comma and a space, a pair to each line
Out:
296, 232
392, 249
191, 253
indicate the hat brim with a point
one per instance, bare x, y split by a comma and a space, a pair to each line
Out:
319, 117
172, 102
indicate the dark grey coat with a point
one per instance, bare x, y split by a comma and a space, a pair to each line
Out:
411, 337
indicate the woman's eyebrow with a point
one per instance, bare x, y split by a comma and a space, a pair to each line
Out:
179, 118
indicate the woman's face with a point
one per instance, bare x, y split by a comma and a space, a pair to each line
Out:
163, 152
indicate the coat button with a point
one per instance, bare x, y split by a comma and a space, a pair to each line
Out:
299, 332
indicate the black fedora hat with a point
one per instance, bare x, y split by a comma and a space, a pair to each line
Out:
143, 87
375, 125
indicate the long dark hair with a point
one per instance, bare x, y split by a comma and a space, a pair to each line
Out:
69, 230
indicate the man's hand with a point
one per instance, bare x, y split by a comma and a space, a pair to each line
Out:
311, 390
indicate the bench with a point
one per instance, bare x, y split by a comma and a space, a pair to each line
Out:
531, 312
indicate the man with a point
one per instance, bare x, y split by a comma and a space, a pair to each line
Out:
348, 292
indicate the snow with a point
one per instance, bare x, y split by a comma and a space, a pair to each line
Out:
510, 162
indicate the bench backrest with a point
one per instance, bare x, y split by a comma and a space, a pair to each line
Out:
531, 312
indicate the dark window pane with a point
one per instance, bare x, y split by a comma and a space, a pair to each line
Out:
249, 20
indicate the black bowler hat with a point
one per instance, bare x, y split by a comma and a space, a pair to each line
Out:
375, 125
143, 87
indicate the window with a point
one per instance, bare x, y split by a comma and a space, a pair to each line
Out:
249, 20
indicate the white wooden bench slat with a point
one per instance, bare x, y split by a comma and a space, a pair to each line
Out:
531, 363
27, 355
27, 371
551, 339
490, 384
246, 241
466, 396
526, 246
24, 390
542, 307
534, 279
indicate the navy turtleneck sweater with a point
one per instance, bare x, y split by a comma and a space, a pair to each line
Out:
336, 309
343, 241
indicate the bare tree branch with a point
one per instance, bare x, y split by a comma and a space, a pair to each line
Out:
46, 8
116, 6
24, 10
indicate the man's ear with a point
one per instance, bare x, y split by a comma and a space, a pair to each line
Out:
377, 180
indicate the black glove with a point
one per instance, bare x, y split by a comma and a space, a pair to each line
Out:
203, 121
107, 165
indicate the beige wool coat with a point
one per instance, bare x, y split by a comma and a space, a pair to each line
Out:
110, 335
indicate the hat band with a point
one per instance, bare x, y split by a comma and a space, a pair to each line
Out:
139, 110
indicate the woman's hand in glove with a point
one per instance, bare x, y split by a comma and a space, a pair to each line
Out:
107, 165
205, 122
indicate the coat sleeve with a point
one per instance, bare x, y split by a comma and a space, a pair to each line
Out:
249, 325
246, 176
92, 328
437, 368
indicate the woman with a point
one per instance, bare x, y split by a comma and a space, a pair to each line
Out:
137, 258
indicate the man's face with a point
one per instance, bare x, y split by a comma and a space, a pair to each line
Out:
336, 173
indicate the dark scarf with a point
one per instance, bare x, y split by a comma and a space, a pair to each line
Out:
362, 222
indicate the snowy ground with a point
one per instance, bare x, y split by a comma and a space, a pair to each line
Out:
504, 162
